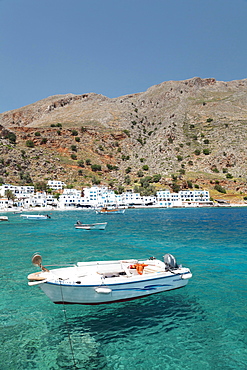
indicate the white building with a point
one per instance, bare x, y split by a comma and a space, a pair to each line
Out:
18, 191
56, 185
100, 196
194, 198
184, 198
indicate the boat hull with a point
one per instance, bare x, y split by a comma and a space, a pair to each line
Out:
76, 293
97, 226
35, 217
4, 218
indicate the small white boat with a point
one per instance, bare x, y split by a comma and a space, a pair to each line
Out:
35, 217
96, 226
4, 218
106, 210
100, 282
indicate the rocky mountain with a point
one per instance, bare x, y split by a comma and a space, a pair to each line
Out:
178, 134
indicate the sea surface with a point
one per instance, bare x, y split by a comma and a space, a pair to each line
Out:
202, 326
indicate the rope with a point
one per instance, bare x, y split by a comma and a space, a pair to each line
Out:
67, 327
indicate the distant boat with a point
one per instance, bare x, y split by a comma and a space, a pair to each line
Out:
96, 226
100, 282
4, 218
36, 217
106, 210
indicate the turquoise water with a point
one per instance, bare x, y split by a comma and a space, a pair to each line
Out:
202, 326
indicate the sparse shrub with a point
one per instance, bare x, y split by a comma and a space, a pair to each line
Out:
206, 141
80, 163
220, 189
206, 151
145, 167
197, 152
73, 148
175, 187
127, 180
190, 185
109, 166
44, 140
96, 167
11, 136
156, 178
73, 156
229, 176
37, 133
95, 181
127, 132
209, 120
88, 162
77, 139
30, 143
74, 133
179, 158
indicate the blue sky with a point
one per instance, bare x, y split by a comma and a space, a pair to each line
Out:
116, 47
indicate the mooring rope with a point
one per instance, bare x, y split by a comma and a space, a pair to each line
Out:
67, 327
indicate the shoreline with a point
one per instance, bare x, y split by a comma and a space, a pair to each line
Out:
49, 209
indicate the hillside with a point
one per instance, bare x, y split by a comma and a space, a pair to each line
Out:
191, 133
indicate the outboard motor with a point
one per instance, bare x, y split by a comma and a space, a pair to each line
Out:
170, 262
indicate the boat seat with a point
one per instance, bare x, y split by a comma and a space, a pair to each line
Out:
151, 269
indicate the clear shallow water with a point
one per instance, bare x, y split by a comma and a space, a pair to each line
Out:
202, 326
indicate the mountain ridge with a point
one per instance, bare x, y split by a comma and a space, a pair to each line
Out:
192, 130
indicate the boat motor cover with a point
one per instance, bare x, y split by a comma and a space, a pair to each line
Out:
170, 261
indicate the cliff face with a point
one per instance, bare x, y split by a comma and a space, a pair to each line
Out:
194, 129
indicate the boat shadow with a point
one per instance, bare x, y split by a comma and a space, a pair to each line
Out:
165, 312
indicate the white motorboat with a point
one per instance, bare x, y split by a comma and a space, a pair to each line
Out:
4, 218
100, 282
96, 226
35, 217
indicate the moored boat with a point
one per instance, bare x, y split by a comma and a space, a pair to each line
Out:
106, 210
100, 282
95, 226
4, 218
35, 217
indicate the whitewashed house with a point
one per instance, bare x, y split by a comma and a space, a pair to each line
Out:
167, 199
194, 198
18, 191
56, 185
5, 203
